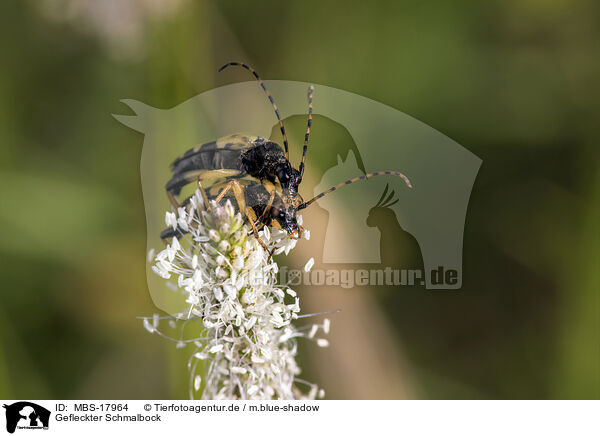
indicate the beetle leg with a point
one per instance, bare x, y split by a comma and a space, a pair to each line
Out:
173, 199
179, 180
249, 212
269, 204
224, 191
203, 193
238, 192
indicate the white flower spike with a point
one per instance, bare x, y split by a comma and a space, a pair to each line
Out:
248, 342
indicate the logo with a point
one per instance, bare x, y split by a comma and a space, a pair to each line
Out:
378, 222
26, 415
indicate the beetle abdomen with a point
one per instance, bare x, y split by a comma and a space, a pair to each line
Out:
210, 156
223, 154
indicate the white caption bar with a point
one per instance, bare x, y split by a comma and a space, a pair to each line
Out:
159, 417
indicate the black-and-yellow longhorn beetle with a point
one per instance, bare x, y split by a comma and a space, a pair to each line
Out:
254, 173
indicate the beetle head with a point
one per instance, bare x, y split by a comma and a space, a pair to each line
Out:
285, 215
289, 177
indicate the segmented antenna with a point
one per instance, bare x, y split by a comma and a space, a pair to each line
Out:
311, 91
270, 97
355, 179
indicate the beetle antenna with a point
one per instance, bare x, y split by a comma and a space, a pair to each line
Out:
311, 91
270, 97
355, 179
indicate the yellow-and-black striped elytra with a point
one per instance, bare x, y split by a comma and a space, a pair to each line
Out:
234, 156
254, 173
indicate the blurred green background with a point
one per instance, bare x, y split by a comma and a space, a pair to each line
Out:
514, 81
